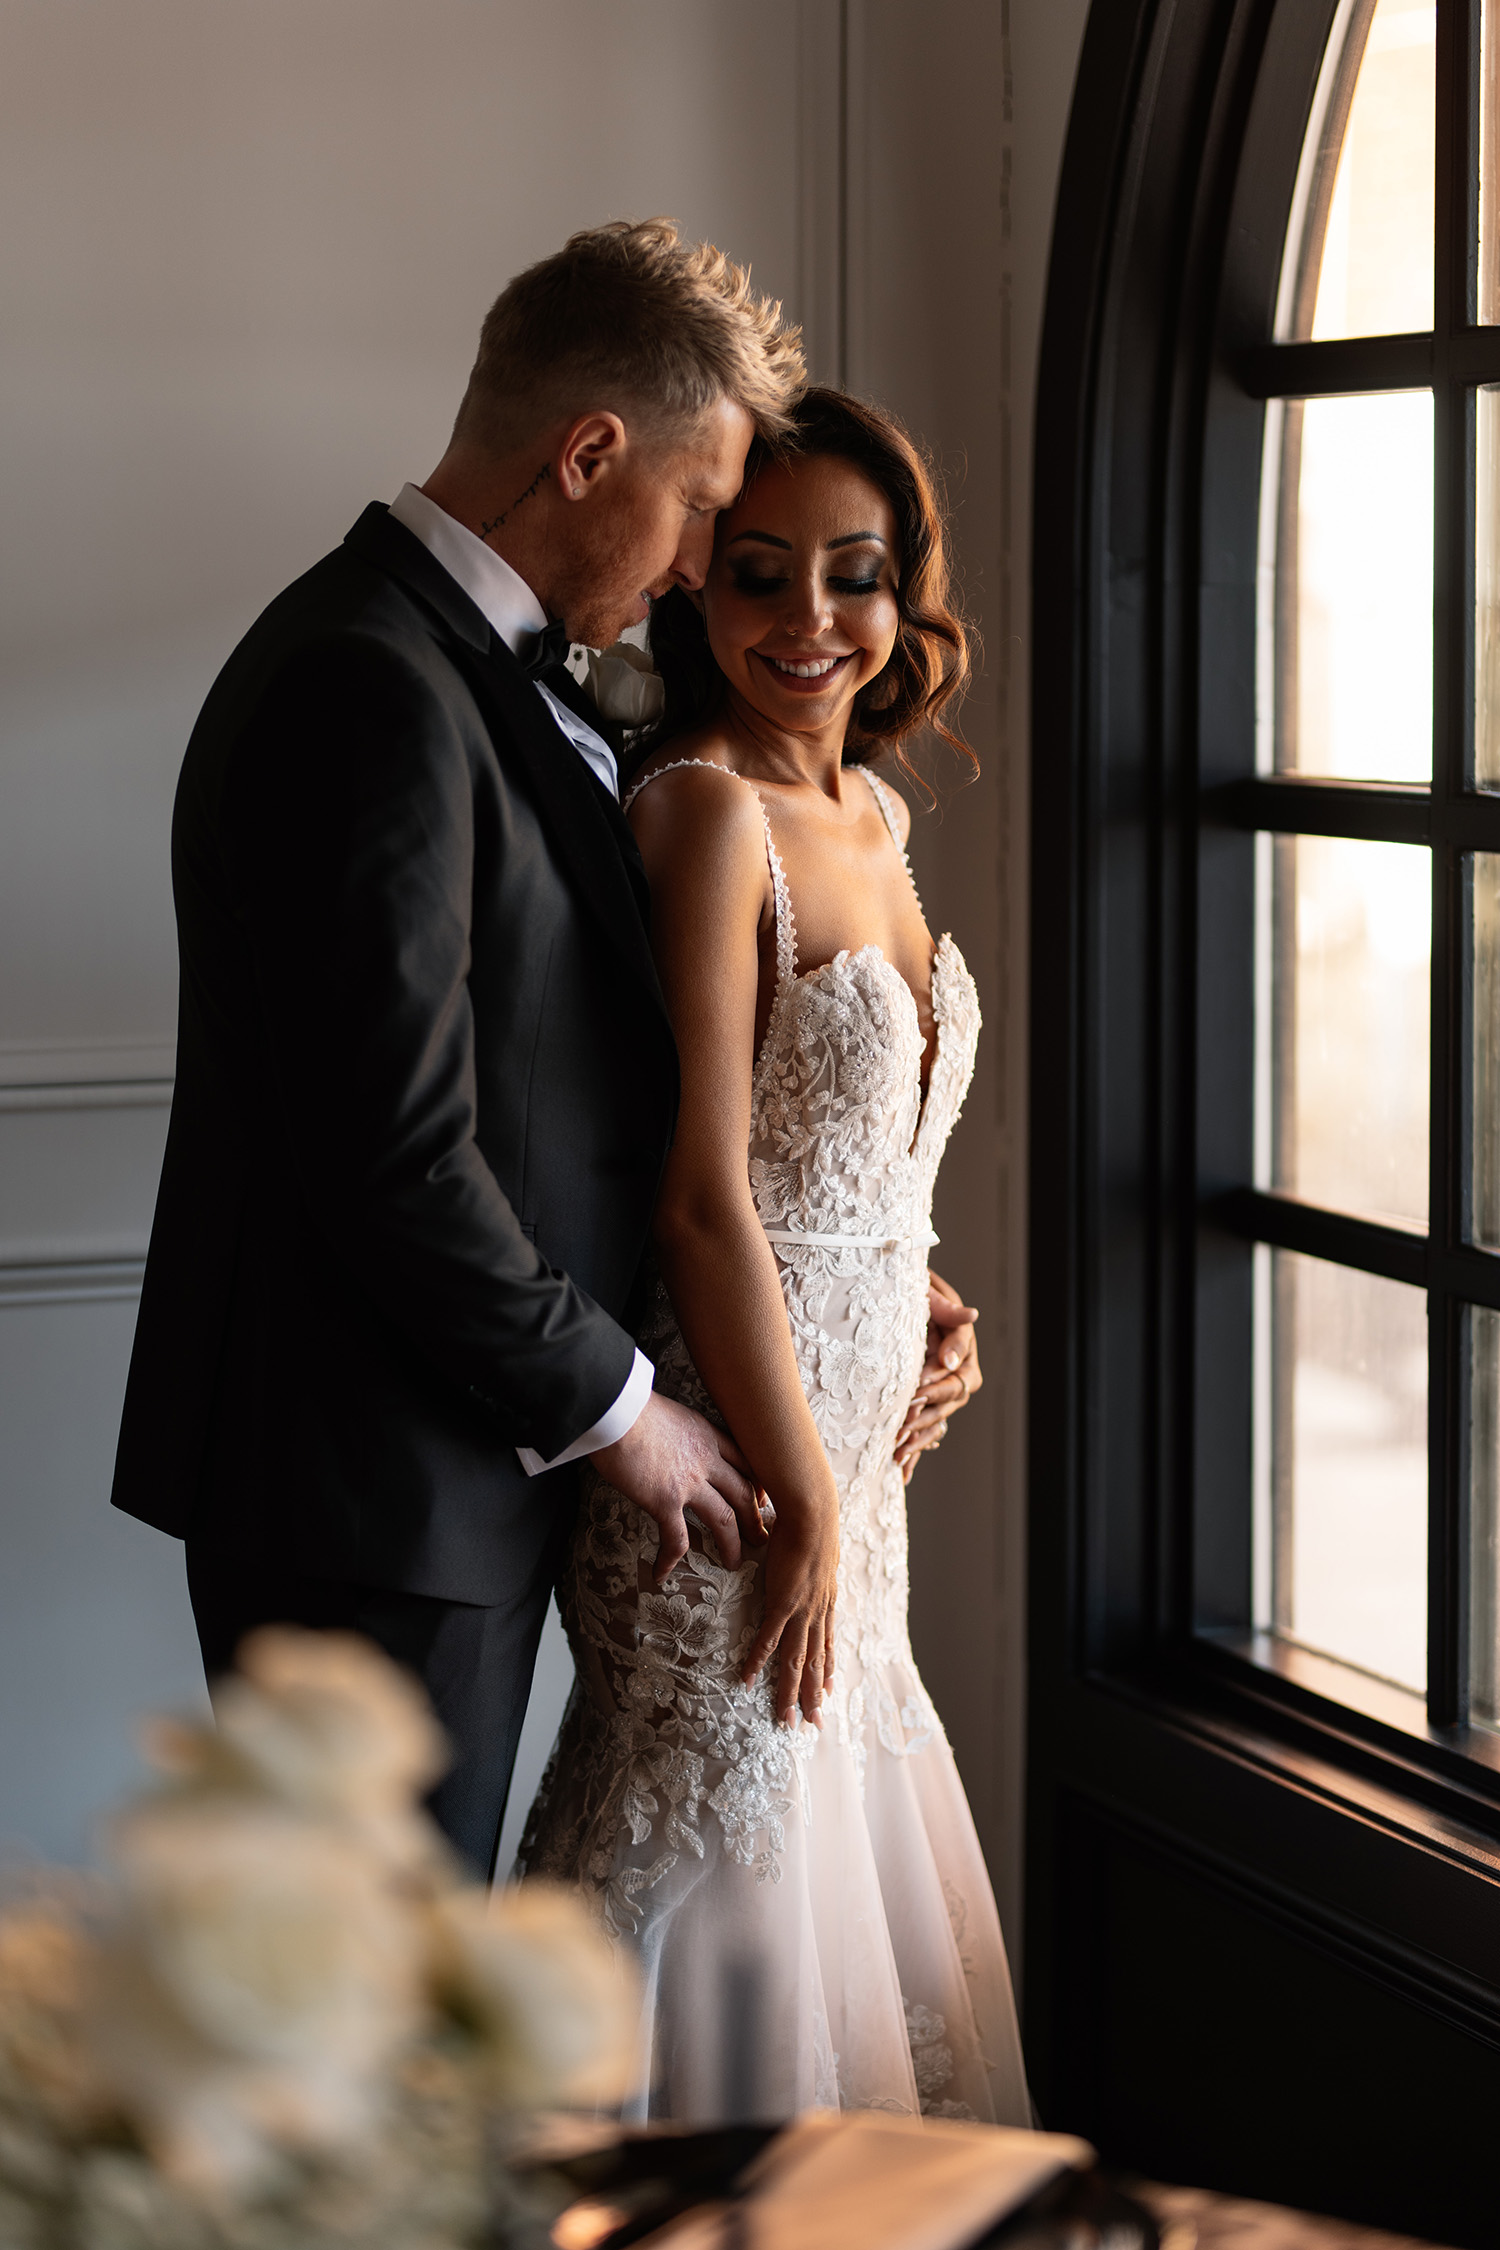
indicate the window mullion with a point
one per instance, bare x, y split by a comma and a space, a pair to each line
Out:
1455, 207
1447, 1554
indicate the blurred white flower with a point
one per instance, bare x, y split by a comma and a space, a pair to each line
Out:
322, 1722
45, 1960
625, 685
552, 2006
283, 2024
259, 1980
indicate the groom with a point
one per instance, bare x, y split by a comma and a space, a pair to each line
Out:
426, 1082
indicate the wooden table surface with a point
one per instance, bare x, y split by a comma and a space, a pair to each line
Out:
1196, 2219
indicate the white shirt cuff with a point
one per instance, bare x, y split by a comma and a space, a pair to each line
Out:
610, 1427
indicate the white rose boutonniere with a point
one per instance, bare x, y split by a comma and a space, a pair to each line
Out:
625, 685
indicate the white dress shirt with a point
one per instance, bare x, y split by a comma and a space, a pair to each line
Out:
518, 617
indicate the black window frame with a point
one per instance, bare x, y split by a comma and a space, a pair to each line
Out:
1261, 1920
1158, 360
1452, 820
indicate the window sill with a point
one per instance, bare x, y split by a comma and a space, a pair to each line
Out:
1351, 1719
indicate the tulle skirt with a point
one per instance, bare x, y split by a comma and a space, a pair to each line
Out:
837, 1947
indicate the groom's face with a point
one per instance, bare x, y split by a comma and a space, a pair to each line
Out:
650, 525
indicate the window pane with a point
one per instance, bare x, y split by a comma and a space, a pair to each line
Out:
1484, 1479
1484, 1224
1487, 591
1353, 603
1489, 162
1350, 944
1359, 249
1348, 1475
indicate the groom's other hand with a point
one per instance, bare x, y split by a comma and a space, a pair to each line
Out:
949, 1379
670, 1460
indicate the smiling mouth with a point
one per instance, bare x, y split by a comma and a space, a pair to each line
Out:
818, 668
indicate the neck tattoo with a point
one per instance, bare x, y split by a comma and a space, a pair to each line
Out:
521, 498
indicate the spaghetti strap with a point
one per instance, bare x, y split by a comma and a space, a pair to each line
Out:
885, 801
786, 927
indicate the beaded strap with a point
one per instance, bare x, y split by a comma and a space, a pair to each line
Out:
888, 810
786, 926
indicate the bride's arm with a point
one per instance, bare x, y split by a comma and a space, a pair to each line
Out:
703, 843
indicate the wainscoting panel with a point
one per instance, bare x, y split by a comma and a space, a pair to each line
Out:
78, 1171
1215, 2035
94, 1618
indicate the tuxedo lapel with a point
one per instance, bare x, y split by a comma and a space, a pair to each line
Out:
377, 538
590, 834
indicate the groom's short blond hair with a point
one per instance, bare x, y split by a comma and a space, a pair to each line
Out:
629, 316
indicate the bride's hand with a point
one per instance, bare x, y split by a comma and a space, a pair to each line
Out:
800, 1577
949, 1379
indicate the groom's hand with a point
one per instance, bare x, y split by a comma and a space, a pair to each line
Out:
949, 1379
670, 1459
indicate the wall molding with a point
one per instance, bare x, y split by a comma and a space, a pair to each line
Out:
71, 1253
858, 89
71, 1281
822, 133
79, 1062
104, 1093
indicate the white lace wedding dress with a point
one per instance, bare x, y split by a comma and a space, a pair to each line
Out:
834, 1877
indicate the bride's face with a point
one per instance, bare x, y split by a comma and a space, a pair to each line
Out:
800, 600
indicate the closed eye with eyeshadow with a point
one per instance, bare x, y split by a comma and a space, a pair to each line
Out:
749, 581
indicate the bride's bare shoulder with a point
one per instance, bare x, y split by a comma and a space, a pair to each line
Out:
688, 804
705, 746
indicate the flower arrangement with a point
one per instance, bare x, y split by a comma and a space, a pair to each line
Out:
284, 2019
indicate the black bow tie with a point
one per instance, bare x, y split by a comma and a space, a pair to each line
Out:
550, 653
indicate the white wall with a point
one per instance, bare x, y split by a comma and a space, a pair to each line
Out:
244, 256
246, 252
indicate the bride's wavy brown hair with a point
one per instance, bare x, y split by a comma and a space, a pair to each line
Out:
928, 669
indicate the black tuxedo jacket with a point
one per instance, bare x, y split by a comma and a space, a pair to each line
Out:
426, 1085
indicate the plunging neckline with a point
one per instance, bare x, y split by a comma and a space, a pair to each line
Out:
853, 952
846, 955
787, 972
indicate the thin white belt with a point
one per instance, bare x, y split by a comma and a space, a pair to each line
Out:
850, 1241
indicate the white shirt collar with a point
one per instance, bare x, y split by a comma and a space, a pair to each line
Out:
508, 604
487, 578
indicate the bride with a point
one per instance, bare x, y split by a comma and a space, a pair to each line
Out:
750, 1778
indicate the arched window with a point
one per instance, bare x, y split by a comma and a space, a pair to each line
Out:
1265, 1342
